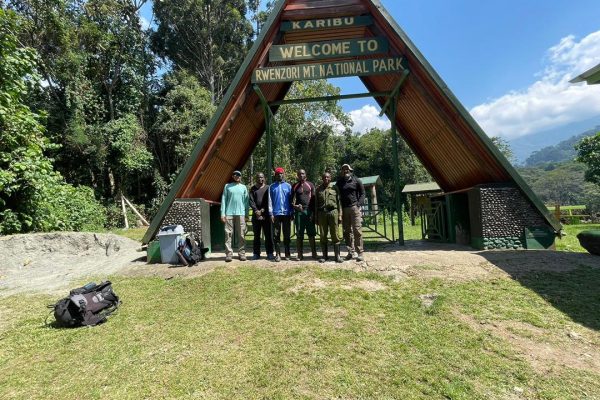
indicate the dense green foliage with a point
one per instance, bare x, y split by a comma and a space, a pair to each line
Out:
116, 125
209, 38
32, 195
564, 184
563, 151
588, 152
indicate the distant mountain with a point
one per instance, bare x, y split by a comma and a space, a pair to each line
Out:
562, 151
524, 146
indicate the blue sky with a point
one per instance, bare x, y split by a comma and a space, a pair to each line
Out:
508, 61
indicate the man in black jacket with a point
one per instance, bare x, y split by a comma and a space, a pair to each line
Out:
352, 198
259, 202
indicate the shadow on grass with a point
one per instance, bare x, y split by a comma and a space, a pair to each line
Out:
570, 282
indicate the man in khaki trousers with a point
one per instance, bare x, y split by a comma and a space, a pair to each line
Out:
352, 194
234, 211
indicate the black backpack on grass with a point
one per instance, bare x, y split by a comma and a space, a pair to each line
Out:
88, 305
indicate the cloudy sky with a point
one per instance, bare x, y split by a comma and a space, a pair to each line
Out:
508, 62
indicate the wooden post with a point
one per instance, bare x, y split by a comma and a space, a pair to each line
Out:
375, 206
136, 211
124, 212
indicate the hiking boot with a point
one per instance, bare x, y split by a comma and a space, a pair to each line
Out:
228, 258
299, 250
360, 257
324, 258
336, 251
242, 257
349, 256
313, 248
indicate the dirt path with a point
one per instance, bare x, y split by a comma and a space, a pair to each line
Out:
52, 262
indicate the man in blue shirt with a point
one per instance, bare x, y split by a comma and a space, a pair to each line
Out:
234, 211
280, 210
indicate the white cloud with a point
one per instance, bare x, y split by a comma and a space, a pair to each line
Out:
551, 101
368, 118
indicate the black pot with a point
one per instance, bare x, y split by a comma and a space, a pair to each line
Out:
590, 240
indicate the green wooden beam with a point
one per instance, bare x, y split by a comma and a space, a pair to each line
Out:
394, 92
262, 98
329, 98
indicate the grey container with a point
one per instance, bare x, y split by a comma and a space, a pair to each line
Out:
168, 237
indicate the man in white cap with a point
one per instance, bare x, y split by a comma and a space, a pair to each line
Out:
352, 197
234, 211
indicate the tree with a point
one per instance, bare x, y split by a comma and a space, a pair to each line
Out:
504, 148
588, 152
562, 185
96, 65
32, 195
184, 111
209, 38
371, 154
297, 127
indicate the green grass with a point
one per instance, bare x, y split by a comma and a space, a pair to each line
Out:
570, 242
302, 333
136, 234
372, 241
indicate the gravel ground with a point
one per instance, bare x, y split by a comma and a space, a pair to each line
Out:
54, 262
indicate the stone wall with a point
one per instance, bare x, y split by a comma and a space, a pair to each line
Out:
502, 214
189, 214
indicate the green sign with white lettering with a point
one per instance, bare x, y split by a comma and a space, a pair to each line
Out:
290, 73
331, 49
327, 23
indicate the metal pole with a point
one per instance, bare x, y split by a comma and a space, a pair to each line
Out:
392, 116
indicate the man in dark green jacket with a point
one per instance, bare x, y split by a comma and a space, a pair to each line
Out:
329, 215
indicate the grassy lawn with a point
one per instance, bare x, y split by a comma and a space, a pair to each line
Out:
570, 242
303, 333
131, 233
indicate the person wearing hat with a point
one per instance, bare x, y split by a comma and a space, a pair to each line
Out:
352, 196
329, 215
303, 202
280, 211
234, 211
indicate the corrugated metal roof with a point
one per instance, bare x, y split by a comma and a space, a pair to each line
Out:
427, 187
591, 76
371, 180
442, 134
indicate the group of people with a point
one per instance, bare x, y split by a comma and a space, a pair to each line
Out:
275, 206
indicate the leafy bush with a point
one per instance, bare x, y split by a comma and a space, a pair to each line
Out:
55, 207
114, 215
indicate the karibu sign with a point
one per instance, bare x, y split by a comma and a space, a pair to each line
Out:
331, 49
314, 24
328, 70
